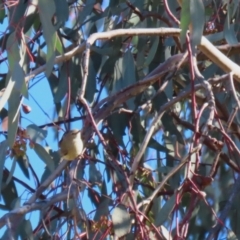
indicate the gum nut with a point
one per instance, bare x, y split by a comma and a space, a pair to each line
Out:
26, 109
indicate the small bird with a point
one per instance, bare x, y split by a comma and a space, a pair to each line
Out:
71, 144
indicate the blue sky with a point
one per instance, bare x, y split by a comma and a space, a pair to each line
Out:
39, 93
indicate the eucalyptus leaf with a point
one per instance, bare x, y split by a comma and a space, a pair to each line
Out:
14, 104
46, 12
185, 19
23, 164
35, 133
197, 16
8, 192
165, 211
44, 156
3, 149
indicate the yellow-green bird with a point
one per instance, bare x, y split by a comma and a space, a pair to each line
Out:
71, 144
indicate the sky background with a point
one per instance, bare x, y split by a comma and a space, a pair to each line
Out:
40, 98
42, 112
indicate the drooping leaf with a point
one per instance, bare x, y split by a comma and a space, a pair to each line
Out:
13, 58
86, 11
165, 211
94, 197
229, 33
16, 203
3, 149
91, 82
62, 11
152, 51
23, 164
14, 104
35, 133
2, 14
138, 132
9, 192
44, 155
102, 209
6, 94
118, 123
197, 16
121, 221
75, 75
185, 19
16, 12
171, 128
62, 84
25, 230
129, 75
108, 67
9, 178
95, 177
46, 12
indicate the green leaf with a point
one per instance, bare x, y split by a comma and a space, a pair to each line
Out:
2, 14
86, 12
25, 67
23, 164
46, 12
25, 230
62, 84
3, 149
14, 104
58, 44
9, 178
185, 19
45, 174
62, 11
6, 93
172, 128
169, 89
138, 132
152, 51
12, 50
94, 197
35, 133
95, 176
121, 221
44, 155
230, 34
108, 67
9, 192
165, 211
91, 82
118, 123
13, 58
16, 12
102, 209
75, 75
16, 203
197, 16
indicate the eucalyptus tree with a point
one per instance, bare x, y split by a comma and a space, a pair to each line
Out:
153, 87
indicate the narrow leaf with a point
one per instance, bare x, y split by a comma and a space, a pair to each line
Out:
46, 12
35, 133
6, 93
43, 154
23, 164
14, 104
165, 211
197, 16
3, 149
185, 20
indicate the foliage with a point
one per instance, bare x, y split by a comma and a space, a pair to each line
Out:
153, 85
